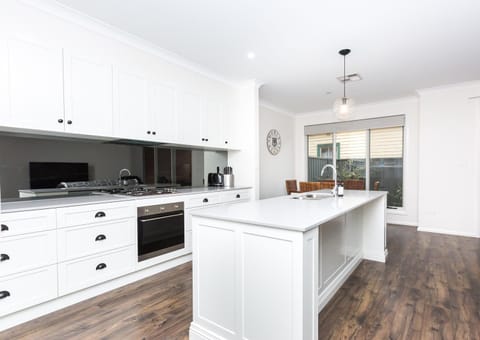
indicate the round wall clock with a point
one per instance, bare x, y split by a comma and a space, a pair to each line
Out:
274, 142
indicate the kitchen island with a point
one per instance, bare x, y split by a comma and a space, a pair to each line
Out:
264, 269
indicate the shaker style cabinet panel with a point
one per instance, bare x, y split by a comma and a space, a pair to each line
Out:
131, 118
35, 86
88, 96
212, 123
190, 116
162, 111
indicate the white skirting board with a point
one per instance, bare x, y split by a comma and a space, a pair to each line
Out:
447, 232
31, 313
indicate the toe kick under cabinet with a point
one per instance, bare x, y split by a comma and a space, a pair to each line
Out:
96, 243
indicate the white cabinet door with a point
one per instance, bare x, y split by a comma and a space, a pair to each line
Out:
212, 123
162, 110
190, 117
231, 129
35, 74
131, 118
4, 97
88, 96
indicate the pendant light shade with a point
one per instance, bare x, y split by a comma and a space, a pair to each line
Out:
343, 107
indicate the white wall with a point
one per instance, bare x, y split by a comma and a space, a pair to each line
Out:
407, 106
274, 170
449, 155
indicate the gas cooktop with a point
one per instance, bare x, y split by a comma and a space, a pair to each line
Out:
141, 191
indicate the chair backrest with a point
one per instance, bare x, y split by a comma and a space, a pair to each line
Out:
312, 186
354, 184
291, 185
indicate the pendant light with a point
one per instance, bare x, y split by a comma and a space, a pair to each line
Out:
343, 106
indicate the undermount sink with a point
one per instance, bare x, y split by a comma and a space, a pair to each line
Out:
315, 196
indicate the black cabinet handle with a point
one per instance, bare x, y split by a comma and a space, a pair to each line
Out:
206, 139
69, 122
4, 257
100, 237
226, 142
4, 294
4, 227
149, 132
100, 214
60, 120
238, 196
203, 139
205, 200
154, 133
101, 266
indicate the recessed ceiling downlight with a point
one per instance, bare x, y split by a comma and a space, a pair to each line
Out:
251, 55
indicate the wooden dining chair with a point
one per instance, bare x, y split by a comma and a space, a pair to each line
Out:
291, 185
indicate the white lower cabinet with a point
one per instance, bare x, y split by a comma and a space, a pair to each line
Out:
27, 222
25, 252
85, 272
27, 289
87, 240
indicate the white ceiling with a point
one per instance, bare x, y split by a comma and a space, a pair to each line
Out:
397, 46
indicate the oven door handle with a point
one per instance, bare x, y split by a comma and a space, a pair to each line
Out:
160, 218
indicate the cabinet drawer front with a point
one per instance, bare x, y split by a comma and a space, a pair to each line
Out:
25, 252
231, 196
202, 200
27, 222
87, 240
98, 213
78, 274
27, 289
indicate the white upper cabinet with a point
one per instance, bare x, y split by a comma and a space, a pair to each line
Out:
131, 117
35, 86
162, 111
88, 96
230, 128
190, 119
212, 123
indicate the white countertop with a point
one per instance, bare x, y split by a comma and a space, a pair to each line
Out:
66, 201
287, 213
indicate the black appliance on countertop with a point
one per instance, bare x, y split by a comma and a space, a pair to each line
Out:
215, 179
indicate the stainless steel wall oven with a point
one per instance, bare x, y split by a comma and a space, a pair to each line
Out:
161, 229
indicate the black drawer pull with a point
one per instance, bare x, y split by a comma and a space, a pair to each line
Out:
100, 237
238, 196
100, 214
60, 120
4, 257
4, 227
101, 266
205, 200
4, 294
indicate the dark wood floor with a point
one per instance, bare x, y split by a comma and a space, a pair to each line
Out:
428, 289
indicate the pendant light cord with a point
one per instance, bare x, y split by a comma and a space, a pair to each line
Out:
344, 76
